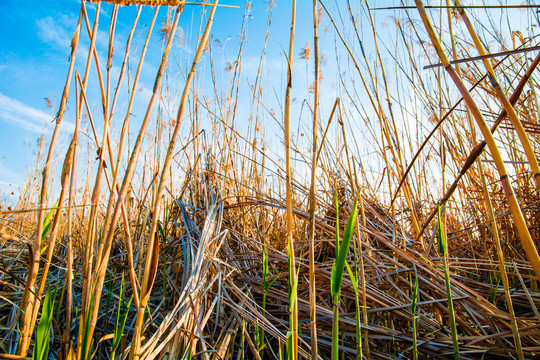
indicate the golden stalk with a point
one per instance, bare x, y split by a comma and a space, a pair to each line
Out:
312, 190
29, 301
293, 305
521, 225
533, 162
150, 263
66, 336
491, 212
96, 289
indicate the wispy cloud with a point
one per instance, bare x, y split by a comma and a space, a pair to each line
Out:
16, 113
53, 31
58, 31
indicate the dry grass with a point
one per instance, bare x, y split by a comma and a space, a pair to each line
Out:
185, 216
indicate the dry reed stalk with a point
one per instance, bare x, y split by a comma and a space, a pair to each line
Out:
387, 138
477, 150
92, 238
392, 140
152, 251
113, 185
312, 189
102, 150
29, 301
293, 277
521, 224
490, 210
533, 162
95, 291
125, 125
210, 241
66, 336
502, 265
93, 36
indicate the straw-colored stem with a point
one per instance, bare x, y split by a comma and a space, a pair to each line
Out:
102, 266
69, 273
478, 149
489, 207
521, 225
529, 152
29, 301
502, 265
293, 305
312, 190
88, 246
150, 263
396, 149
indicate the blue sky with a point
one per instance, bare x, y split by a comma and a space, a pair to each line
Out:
34, 60
34, 54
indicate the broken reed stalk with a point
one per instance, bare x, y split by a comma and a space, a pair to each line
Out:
533, 162
152, 250
312, 189
29, 302
292, 343
96, 289
521, 225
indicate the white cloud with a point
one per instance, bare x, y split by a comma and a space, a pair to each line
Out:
53, 32
16, 113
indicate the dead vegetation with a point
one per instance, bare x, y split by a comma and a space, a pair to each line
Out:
178, 243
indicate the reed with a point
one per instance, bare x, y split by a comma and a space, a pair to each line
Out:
212, 223
292, 337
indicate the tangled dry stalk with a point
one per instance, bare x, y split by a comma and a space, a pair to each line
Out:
207, 247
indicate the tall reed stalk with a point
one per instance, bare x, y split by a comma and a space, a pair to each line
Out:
312, 189
152, 251
533, 162
29, 302
94, 290
292, 344
521, 225
487, 196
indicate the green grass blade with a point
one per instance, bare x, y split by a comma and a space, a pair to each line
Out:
336, 204
441, 238
337, 277
343, 251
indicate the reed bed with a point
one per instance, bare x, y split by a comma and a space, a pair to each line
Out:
180, 242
